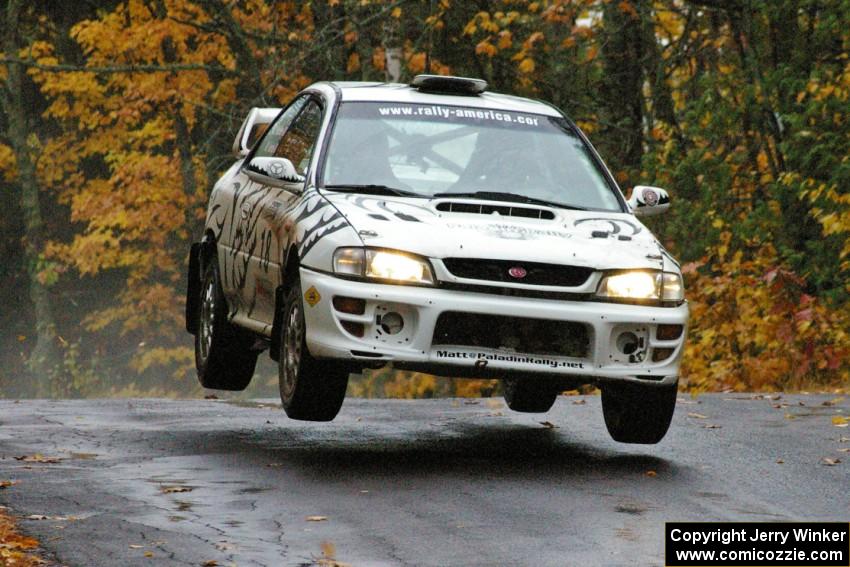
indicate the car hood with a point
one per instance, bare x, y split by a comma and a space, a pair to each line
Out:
599, 240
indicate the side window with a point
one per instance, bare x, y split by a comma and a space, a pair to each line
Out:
272, 139
298, 142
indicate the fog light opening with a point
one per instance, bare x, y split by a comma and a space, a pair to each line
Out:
660, 354
668, 332
356, 329
350, 305
392, 323
627, 343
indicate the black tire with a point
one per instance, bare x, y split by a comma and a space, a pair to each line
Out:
529, 395
636, 413
223, 355
310, 389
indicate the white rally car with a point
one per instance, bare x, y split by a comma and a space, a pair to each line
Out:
442, 228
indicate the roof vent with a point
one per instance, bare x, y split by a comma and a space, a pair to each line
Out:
449, 85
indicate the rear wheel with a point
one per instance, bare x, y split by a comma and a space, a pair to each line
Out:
223, 355
528, 395
310, 389
637, 413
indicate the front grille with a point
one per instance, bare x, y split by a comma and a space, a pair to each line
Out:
535, 273
518, 334
517, 292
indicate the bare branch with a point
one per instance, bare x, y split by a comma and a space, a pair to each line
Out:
111, 69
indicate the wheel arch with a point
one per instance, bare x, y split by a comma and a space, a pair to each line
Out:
289, 274
199, 256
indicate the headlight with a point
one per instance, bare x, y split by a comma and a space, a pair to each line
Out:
383, 265
666, 286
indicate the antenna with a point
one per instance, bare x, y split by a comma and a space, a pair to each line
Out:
430, 38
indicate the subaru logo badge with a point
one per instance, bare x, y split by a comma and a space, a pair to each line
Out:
517, 272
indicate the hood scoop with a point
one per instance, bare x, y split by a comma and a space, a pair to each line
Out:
476, 208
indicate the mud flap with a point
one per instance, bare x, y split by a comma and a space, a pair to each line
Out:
193, 288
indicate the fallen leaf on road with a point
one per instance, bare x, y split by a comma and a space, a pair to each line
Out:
697, 415
493, 403
7, 484
84, 456
274, 464
148, 553
210, 563
790, 416
840, 421
651, 473
712, 426
844, 450
37, 458
779, 461
843, 439
832, 402
548, 425
136, 546
210, 397
579, 402
830, 462
37, 517
174, 489
317, 518
470, 402
495, 414
14, 546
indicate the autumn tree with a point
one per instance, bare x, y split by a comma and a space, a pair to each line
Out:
739, 108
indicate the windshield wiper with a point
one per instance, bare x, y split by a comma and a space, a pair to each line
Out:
510, 197
371, 189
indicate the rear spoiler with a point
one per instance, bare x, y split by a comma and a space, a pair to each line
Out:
252, 128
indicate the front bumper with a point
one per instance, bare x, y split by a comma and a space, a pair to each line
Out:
420, 308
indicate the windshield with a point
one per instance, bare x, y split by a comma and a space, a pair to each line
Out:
437, 150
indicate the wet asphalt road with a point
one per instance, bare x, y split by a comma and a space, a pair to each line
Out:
429, 482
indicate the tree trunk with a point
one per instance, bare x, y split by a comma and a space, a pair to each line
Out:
622, 84
45, 357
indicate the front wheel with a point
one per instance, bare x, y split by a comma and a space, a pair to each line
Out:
637, 413
528, 395
310, 389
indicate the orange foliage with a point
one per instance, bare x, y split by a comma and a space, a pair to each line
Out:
755, 328
16, 549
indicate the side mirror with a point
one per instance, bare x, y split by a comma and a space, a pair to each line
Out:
647, 201
274, 170
252, 128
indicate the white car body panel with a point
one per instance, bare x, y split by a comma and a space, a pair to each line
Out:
256, 226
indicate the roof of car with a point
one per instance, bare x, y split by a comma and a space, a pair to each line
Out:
402, 93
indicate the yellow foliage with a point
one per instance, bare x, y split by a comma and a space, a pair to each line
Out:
527, 65
484, 47
754, 327
8, 166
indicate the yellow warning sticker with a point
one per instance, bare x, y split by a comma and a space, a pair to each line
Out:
312, 296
